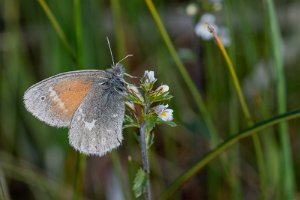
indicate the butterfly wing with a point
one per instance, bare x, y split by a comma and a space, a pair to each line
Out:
55, 100
96, 127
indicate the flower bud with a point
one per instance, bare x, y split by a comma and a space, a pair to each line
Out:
135, 91
130, 105
149, 77
162, 89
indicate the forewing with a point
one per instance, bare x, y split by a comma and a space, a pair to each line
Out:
96, 127
55, 100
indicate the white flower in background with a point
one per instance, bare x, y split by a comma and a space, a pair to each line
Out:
202, 31
191, 9
223, 33
149, 76
259, 80
164, 112
201, 27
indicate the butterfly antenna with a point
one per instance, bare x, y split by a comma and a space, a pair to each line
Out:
129, 55
112, 56
130, 76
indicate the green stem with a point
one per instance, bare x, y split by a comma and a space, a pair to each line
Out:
144, 149
186, 77
118, 25
57, 28
225, 146
4, 193
287, 177
81, 159
118, 169
234, 77
78, 33
78, 179
249, 119
31, 176
120, 47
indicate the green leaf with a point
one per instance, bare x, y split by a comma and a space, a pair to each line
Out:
139, 183
134, 99
149, 140
156, 98
130, 121
170, 123
150, 120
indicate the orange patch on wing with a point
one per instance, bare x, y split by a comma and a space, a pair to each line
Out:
70, 94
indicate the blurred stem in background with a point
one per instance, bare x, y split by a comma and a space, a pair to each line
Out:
4, 192
234, 126
249, 119
79, 174
78, 33
287, 175
119, 28
77, 57
120, 43
59, 30
80, 158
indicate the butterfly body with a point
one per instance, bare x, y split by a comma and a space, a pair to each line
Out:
89, 102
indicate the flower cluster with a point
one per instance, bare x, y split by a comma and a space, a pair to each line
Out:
207, 18
146, 108
145, 102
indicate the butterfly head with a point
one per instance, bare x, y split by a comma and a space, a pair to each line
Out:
118, 70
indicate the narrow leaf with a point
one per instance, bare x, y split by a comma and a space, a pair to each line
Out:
139, 183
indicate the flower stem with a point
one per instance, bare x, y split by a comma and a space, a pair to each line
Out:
144, 149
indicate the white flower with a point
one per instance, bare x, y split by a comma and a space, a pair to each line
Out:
162, 89
208, 18
191, 9
149, 77
201, 27
164, 112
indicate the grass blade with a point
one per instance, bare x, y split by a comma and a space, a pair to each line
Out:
57, 28
287, 180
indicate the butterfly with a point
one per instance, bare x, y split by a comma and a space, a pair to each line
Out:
89, 102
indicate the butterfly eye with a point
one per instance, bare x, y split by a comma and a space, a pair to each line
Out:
42, 98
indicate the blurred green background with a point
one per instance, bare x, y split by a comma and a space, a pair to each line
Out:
36, 161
